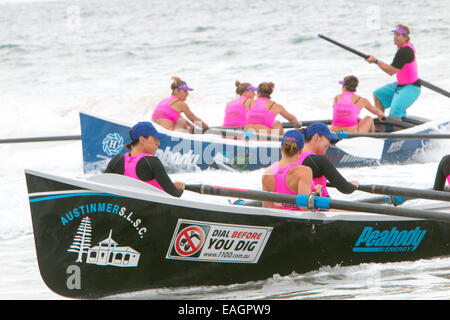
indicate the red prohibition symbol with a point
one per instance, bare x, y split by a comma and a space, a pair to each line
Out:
189, 240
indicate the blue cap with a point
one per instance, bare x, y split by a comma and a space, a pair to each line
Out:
145, 129
321, 129
295, 136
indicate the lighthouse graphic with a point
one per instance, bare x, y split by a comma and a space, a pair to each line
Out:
106, 253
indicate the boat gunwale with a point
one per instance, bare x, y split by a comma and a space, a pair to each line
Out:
132, 188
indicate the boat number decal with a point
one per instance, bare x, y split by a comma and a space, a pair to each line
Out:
392, 240
218, 242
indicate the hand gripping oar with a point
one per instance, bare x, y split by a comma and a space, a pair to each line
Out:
316, 202
382, 135
365, 56
407, 192
40, 139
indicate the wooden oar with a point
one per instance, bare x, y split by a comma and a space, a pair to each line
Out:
382, 135
408, 192
313, 202
365, 56
40, 139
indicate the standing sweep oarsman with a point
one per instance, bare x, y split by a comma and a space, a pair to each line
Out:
399, 95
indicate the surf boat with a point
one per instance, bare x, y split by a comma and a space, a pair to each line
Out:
103, 138
111, 234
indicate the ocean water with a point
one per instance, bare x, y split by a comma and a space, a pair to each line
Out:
115, 58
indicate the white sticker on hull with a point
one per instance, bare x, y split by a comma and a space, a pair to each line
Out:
217, 242
106, 253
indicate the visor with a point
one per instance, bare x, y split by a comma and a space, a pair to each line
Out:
342, 82
400, 30
250, 87
184, 87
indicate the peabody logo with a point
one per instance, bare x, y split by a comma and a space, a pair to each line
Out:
392, 240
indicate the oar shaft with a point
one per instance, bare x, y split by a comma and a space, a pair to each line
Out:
394, 211
359, 53
306, 123
40, 139
319, 202
433, 87
408, 192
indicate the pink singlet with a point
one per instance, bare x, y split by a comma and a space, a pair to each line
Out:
408, 74
259, 114
345, 112
280, 183
315, 181
235, 113
130, 168
165, 111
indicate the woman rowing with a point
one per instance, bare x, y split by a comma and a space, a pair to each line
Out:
140, 163
236, 110
288, 176
442, 174
318, 139
347, 107
168, 112
263, 111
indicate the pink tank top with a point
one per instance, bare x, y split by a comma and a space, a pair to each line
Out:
315, 181
130, 168
235, 113
280, 183
259, 114
448, 179
165, 111
408, 74
345, 112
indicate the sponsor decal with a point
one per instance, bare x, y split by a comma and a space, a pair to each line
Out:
217, 242
177, 161
112, 144
189, 153
392, 240
106, 253
395, 146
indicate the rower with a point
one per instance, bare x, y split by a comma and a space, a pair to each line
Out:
287, 176
348, 105
236, 110
168, 112
318, 139
263, 111
400, 95
442, 173
140, 163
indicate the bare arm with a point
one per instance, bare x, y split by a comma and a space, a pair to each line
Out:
192, 117
287, 115
390, 70
305, 181
364, 103
268, 183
